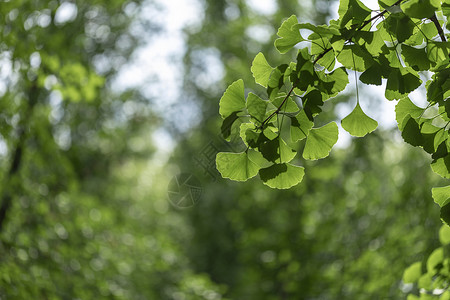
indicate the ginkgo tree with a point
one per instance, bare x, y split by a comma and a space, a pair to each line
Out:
405, 44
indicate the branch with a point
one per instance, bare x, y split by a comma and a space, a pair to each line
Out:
438, 27
378, 15
6, 199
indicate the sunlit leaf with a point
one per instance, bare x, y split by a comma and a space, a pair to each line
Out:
233, 100
289, 36
256, 107
412, 273
282, 176
320, 141
261, 69
236, 166
357, 123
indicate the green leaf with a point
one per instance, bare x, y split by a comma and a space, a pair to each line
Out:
256, 107
355, 57
372, 75
444, 233
399, 26
438, 51
249, 135
233, 100
441, 166
312, 103
441, 195
401, 82
289, 36
320, 141
445, 214
405, 107
334, 82
261, 69
282, 176
415, 58
412, 273
354, 11
236, 166
227, 125
419, 8
277, 150
357, 123
435, 259
300, 126
411, 131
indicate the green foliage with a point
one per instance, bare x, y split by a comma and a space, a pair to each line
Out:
391, 50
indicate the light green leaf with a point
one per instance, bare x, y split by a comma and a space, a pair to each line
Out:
412, 273
289, 36
233, 99
256, 107
420, 8
357, 123
261, 69
236, 166
300, 126
441, 166
320, 141
334, 82
441, 195
355, 57
435, 258
282, 176
405, 107
354, 11
444, 233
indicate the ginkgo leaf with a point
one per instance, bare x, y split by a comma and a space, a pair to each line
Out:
277, 150
256, 107
416, 58
444, 232
411, 131
436, 257
441, 166
282, 176
441, 195
420, 8
289, 36
320, 141
412, 273
355, 58
233, 99
261, 69
405, 107
300, 126
401, 82
357, 123
236, 166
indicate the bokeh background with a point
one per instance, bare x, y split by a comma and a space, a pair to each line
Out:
108, 130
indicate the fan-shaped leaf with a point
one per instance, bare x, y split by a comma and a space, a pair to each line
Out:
236, 166
282, 176
357, 123
233, 99
289, 36
320, 141
412, 273
261, 69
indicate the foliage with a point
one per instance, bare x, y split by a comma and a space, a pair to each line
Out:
398, 44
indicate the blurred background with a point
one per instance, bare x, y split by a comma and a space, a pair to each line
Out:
108, 130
